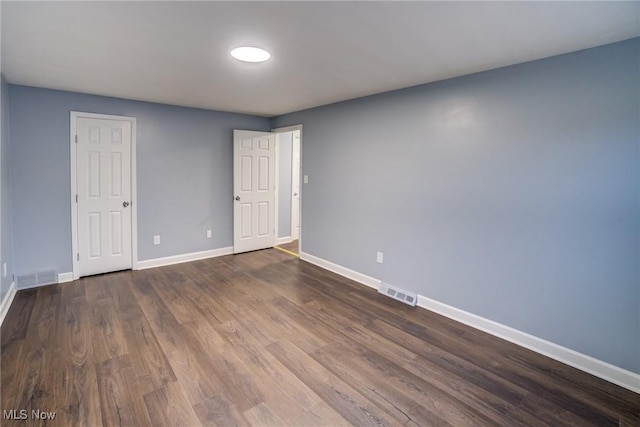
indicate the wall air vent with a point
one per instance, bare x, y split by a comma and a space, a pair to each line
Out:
41, 278
398, 294
27, 281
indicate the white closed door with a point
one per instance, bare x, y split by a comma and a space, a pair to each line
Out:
103, 174
295, 187
254, 187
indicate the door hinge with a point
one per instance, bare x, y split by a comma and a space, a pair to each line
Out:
76, 198
76, 139
78, 257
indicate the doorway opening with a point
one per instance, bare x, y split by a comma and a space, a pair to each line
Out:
289, 142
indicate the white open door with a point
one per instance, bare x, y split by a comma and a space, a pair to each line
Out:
254, 186
103, 184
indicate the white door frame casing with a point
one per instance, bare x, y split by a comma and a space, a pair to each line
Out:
297, 172
74, 206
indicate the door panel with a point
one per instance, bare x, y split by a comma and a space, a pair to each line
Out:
254, 190
263, 174
103, 174
263, 218
95, 241
116, 175
93, 174
246, 220
116, 233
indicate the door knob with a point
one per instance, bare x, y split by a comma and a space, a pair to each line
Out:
125, 204
237, 198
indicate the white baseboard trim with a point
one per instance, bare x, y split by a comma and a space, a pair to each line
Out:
342, 271
65, 277
591, 365
177, 259
283, 240
6, 302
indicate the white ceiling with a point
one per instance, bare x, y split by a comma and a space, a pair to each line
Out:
322, 52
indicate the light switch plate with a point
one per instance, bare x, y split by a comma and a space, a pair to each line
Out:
306, 179
156, 239
379, 257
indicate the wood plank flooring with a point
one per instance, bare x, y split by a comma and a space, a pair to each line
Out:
290, 247
266, 339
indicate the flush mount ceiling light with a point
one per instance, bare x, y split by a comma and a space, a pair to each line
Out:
250, 54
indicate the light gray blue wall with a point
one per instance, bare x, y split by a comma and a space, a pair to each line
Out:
513, 194
284, 185
184, 175
6, 250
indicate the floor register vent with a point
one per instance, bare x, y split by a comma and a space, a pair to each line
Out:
40, 278
398, 294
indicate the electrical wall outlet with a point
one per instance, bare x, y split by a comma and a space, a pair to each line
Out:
4, 269
209, 234
379, 257
156, 239
305, 179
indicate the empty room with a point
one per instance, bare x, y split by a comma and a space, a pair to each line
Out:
320, 213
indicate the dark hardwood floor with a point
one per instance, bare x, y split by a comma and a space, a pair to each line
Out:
266, 339
290, 247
